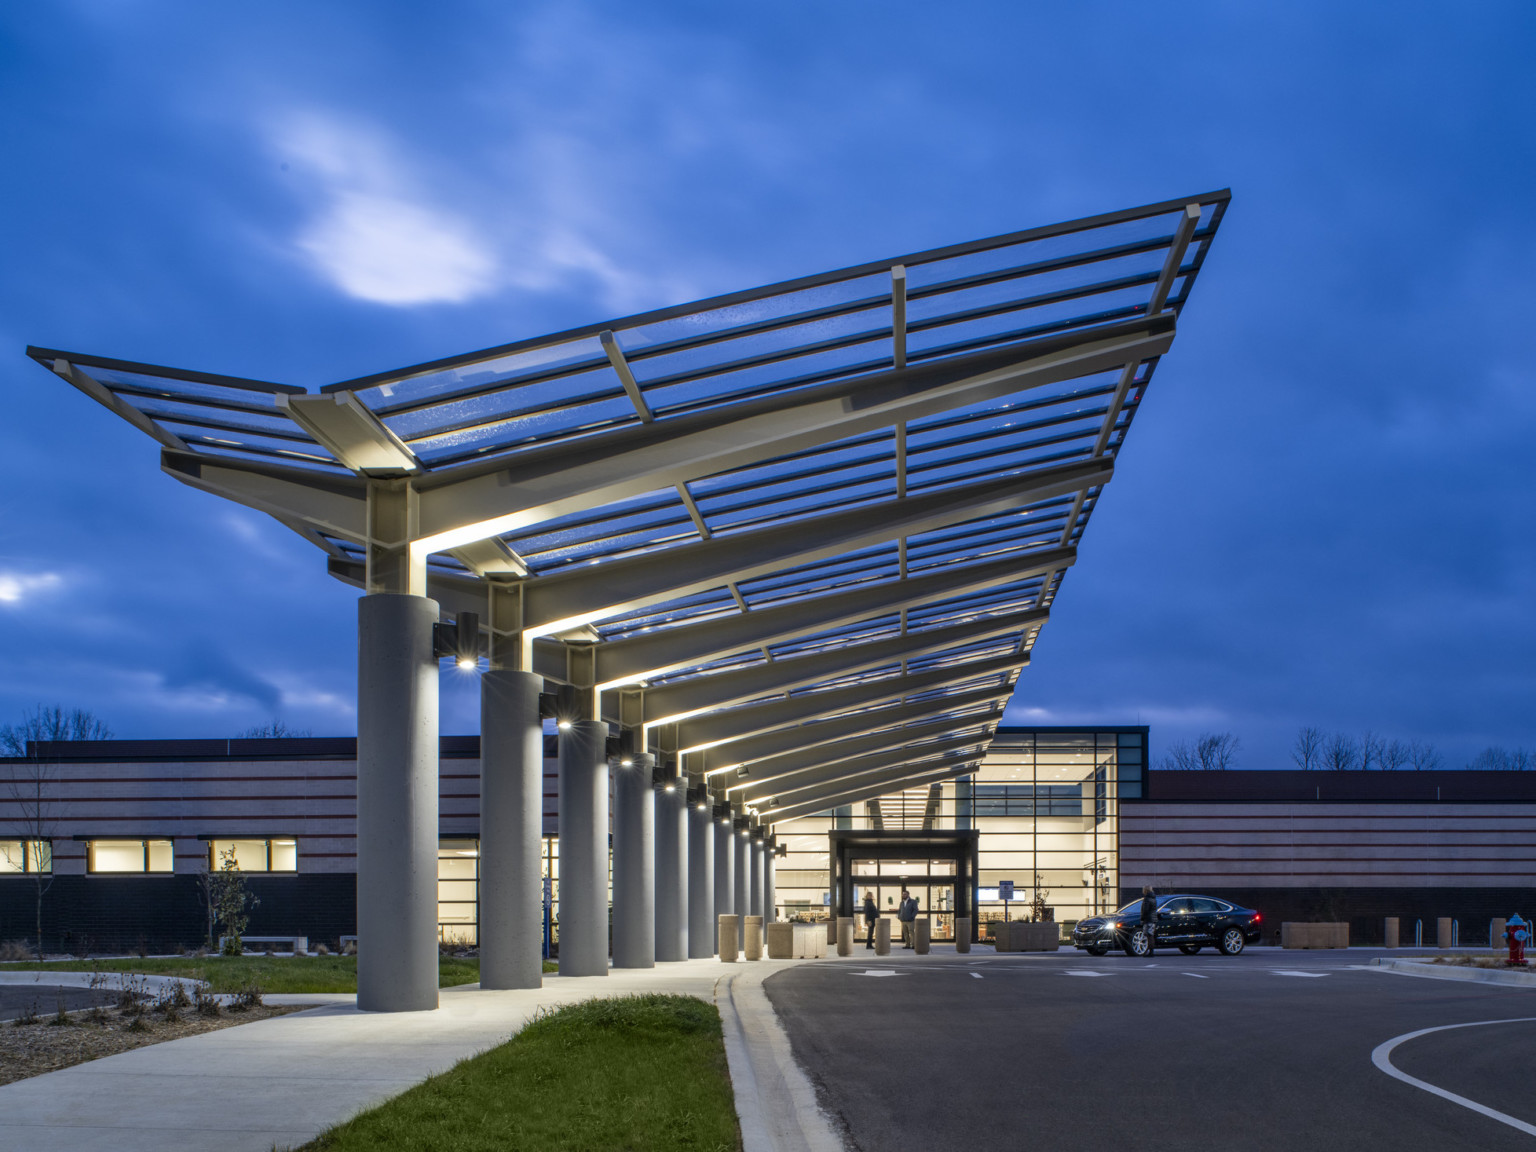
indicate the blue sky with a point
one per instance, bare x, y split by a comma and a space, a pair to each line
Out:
1325, 513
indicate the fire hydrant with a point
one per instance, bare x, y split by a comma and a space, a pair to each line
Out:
1516, 932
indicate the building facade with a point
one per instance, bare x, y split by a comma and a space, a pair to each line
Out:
119, 833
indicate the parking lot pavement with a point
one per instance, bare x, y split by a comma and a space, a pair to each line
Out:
44, 999
1062, 1051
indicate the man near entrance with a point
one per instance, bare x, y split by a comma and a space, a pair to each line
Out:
871, 914
1149, 915
906, 912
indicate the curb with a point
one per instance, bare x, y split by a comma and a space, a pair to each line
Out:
1508, 979
776, 1105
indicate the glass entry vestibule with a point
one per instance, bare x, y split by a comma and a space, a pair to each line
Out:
938, 868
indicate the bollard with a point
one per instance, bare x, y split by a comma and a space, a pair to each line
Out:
752, 939
1496, 933
728, 936
883, 936
922, 934
845, 935
1443, 932
1390, 935
1418, 933
832, 931
962, 934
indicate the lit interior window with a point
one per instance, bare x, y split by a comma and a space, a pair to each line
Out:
129, 856
256, 855
19, 856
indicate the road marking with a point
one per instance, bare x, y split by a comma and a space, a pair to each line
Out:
1381, 1056
876, 972
1197, 976
1294, 972
1071, 973
977, 975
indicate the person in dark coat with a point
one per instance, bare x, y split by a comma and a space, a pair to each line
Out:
1149, 915
871, 914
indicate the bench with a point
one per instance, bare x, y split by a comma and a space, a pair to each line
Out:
298, 945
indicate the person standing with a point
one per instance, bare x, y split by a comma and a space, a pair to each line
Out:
871, 914
906, 912
1149, 916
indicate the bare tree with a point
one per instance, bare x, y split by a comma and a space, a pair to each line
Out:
1180, 757
1423, 756
32, 785
273, 731
1216, 751
1308, 750
1394, 754
1502, 759
1340, 753
1371, 748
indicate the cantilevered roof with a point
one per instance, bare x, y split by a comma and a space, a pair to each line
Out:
814, 524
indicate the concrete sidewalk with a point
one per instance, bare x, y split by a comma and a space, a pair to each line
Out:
282, 1081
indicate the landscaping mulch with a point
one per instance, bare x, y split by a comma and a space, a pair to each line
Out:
32, 1049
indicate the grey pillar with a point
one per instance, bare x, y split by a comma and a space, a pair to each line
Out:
725, 868
770, 895
396, 804
511, 827
755, 882
634, 866
742, 866
701, 877
672, 873
583, 849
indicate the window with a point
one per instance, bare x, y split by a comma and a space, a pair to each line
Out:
1029, 799
17, 856
458, 882
256, 855
128, 856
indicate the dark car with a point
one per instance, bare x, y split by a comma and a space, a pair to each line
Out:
1188, 922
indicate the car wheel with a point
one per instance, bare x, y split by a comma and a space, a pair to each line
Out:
1097, 949
1137, 944
1231, 942
1190, 949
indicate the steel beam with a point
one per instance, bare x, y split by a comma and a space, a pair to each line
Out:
475, 501
827, 737
881, 771
593, 592
722, 689
701, 732
635, 658
751, 783
330, 502
853, 796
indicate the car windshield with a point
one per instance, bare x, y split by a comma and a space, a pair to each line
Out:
1133, 906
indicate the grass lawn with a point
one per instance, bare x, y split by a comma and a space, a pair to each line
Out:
636, 1073
274, 973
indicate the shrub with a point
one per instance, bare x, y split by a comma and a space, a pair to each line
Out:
204, 1001
60, 1014
322, 950
27, 1016
139, 1024
15, 950
246, 998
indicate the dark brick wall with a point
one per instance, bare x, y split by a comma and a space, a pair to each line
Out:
1366, 909
112, 913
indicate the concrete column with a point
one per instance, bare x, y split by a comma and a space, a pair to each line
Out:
396, 804
725, 869
672, 874
755, 883
741, 849
583, 830
770, 893
634, 865
701, 878
511, 827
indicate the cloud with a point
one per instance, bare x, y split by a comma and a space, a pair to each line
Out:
16, 587
372, 233
218, 681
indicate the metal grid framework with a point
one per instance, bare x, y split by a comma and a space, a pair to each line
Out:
802, 537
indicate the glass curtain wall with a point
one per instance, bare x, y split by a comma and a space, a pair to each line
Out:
1046, 804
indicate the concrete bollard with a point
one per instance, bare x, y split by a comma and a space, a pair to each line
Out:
962, 934
1496, 928
845, 935
922, 933
883, 936
752, 939
832, 931
1390, 935
729, 935
1443, 932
